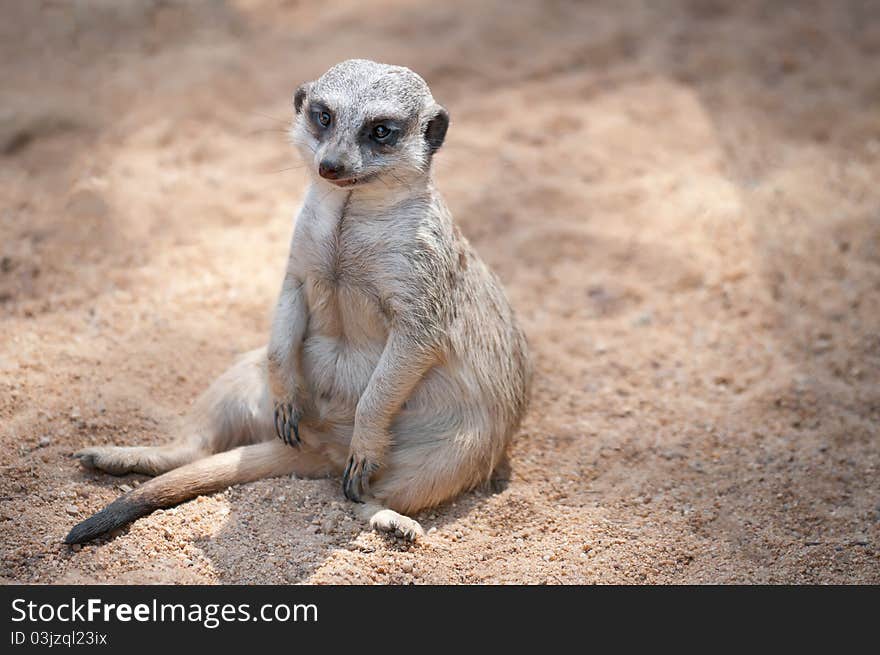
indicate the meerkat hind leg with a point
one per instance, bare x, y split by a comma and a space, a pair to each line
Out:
390, 522
233, 411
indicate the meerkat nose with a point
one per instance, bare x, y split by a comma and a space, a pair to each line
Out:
330, 169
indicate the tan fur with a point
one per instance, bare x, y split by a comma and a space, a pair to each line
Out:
394, 355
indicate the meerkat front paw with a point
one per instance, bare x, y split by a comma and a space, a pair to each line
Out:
356, 478
287, 418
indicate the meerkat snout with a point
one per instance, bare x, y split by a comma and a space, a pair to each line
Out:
363, 122
331, 169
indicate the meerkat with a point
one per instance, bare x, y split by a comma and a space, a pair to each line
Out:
394, 360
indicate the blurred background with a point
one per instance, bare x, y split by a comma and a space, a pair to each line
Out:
680, 197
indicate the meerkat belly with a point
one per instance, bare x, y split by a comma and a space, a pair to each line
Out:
345, 339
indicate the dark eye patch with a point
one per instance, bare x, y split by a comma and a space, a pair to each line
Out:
382, 131
321, 115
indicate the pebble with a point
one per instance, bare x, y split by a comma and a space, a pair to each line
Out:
406, 567
643, 320
76, 548
821, 345
44, 441
125, 488
72, 509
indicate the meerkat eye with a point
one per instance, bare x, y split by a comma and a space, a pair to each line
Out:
381, 132
322, 117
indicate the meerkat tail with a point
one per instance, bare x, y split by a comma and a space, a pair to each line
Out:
243, 464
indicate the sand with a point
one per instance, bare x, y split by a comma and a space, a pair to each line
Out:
681, 198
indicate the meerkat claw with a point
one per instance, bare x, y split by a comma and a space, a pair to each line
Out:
287, 420
356, 479
348, 482
277, 423
293, 423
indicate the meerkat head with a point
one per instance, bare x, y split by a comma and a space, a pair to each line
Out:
362, 121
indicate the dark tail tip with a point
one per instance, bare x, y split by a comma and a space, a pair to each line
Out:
120, 512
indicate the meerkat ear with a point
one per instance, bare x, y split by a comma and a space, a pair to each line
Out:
435, 133
299, 96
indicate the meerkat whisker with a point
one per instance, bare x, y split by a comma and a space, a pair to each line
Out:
282, 121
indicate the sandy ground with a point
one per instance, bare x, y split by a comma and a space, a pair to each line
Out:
682, 199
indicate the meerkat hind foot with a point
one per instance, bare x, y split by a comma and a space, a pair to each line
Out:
390, 522
120, 460
110, 459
